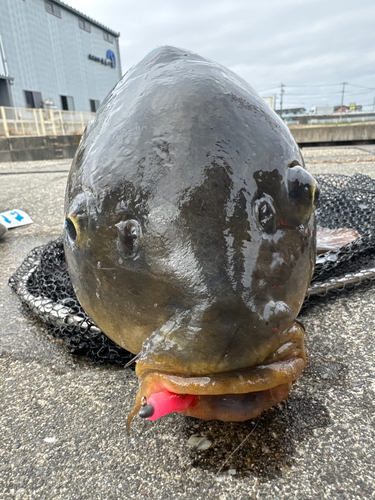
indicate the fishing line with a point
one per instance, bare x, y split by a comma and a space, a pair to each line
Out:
239, 446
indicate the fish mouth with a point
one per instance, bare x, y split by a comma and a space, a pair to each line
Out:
234, 396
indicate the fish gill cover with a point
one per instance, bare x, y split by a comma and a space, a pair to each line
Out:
43, 284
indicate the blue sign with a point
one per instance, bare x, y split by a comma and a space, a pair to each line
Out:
110, 59
15, 218
111, 56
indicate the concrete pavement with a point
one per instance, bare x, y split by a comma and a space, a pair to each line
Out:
62, 418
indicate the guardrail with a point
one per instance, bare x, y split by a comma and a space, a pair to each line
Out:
334, 134
335, 118
18, 122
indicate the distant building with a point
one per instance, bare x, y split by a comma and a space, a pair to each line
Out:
345, 109
53, 56
269, 100
341, 109
291, 111
322, 110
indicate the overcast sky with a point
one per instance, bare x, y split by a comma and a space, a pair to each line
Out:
311, 46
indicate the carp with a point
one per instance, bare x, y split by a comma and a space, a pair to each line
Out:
190, 237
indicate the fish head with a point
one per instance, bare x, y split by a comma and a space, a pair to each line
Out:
190, 236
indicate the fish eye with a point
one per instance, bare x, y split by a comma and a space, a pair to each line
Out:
129, 236
71, 228
265, 214
303, 193
300, 183
317, 196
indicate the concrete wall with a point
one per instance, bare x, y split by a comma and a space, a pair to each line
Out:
38, 148
49, 54
56, 147
325, 134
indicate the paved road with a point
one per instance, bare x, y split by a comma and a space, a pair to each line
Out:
62, 419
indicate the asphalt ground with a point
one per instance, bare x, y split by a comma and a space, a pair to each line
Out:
62, 418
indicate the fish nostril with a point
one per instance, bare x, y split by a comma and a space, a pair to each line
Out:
129, 234
265, 214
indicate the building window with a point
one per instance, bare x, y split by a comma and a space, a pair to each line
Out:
108, 37
94, 105
84, 25
67, 103
33, 99
53, 9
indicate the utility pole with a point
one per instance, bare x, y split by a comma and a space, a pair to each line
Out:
281, 99
342, 98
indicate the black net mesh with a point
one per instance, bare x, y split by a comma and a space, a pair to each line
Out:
346, 202
43, 284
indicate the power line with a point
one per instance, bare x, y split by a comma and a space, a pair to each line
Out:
270, 90
314, 95
362, 86
296, 99
317, 86
321, 85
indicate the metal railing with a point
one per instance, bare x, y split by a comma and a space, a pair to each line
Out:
336, 118
33, 122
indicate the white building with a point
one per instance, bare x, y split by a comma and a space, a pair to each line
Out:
55, 57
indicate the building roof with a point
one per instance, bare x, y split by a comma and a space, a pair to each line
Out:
80, 14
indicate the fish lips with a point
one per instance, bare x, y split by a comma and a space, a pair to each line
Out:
236, 395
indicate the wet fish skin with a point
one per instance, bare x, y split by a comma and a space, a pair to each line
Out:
190, 232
